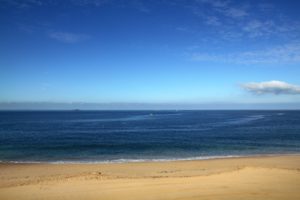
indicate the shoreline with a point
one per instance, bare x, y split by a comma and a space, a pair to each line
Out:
120, 161
259, 177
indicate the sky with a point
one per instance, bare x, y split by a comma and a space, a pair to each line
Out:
114, 54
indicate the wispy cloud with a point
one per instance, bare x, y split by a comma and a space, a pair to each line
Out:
266, 28
90, 2
283, 54
216, 3
235, 12
258, 28
244, 20
138, 5
34, 3
23, 3
212, 20
265, 7
68, 37
225, 8
271, 87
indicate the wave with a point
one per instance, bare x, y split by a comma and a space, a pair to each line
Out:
242, 120
121, 160
150, 116
125, 160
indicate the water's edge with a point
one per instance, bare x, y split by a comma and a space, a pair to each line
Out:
120, 161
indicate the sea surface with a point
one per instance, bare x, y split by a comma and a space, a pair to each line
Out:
124, 136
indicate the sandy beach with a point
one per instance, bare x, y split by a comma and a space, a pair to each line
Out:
263, 177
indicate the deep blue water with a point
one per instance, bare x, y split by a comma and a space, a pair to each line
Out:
97, 136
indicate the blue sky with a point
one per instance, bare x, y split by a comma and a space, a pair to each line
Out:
150, 52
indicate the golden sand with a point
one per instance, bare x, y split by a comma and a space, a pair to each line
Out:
268, 177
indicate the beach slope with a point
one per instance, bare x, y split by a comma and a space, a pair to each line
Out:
263, 177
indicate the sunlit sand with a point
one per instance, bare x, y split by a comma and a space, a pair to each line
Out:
271, 177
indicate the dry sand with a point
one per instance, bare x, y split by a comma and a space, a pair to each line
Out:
265, 177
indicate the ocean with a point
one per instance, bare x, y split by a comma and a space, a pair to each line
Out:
132, 136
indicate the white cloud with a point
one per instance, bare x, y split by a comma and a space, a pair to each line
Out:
67, 37
284, 54
271, 87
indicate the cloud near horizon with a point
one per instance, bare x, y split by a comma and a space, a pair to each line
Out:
271, 87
